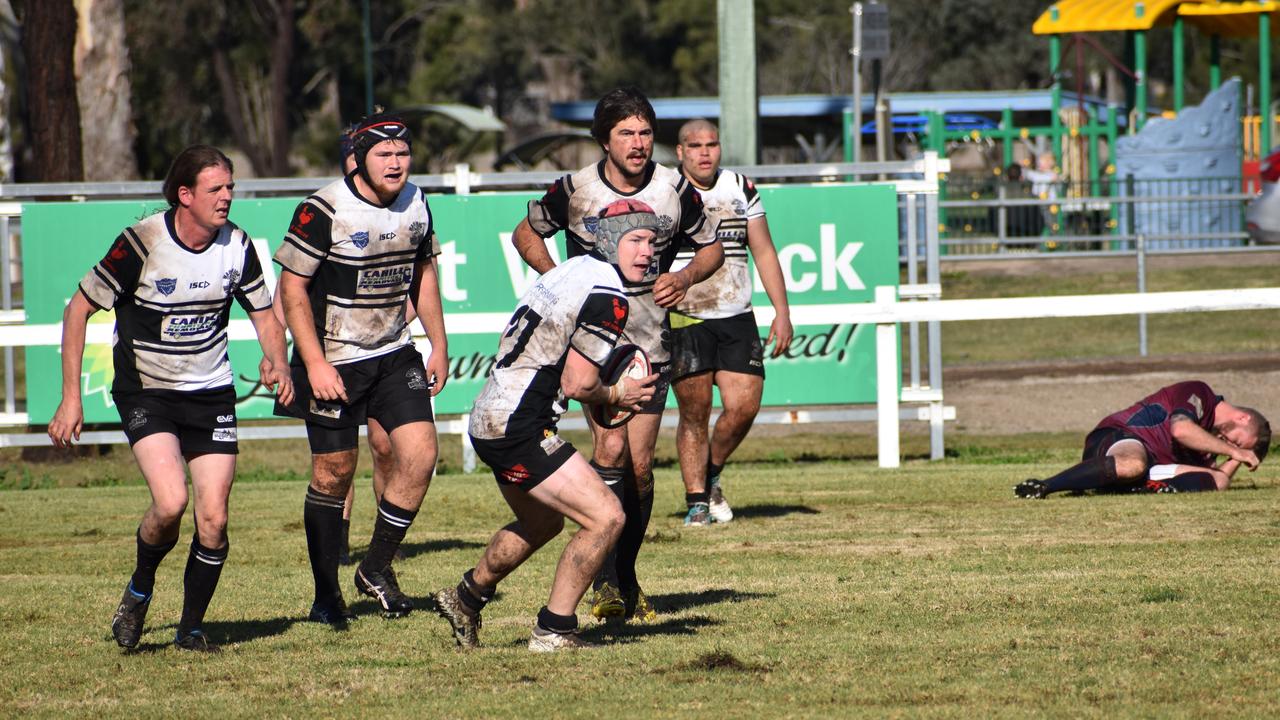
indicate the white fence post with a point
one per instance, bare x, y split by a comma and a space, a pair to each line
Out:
887, 376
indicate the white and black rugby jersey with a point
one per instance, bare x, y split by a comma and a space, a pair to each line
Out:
172, 303
731, 202
573, 204
578, 304
361, 259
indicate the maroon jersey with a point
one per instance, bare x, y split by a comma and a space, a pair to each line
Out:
1149, 421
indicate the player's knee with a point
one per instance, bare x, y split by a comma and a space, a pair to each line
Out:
211, 530
610, 522
332, 472
1130, 468
168, 510
642, 468
609, 448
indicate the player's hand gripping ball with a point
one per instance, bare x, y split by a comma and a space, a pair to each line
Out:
625, 361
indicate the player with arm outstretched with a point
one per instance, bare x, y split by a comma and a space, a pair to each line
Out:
1166, 442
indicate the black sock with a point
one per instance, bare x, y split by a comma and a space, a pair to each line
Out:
322, 517
1193, 482
699, 497
346, 536
204, 567
1088, 475
563, 624
149, 557
638, 506
613, 477
713, 473
388, 532
472, 594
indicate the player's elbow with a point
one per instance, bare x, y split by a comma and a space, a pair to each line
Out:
576, 386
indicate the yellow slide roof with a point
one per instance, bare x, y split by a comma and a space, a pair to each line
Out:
1228, 19
1212, 17
1074, 16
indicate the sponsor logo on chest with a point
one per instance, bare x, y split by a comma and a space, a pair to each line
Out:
177, 327
387, 277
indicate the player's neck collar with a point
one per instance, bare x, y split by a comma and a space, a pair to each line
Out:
714, 179
350, 180
171, 224
644, 181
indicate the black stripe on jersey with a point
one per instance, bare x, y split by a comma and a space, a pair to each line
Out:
596, 331
176, 347
321, 204
108, 278
362, 306
568, 184
302, 246
398, 257
193, 307
136, 242
86, 297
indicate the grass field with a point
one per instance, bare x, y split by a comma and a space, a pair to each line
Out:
841, 590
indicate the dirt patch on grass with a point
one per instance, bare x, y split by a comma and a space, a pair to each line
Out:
1055, 396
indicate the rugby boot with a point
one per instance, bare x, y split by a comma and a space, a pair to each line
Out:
334, 612
638, 607
698, 516
126, 624
541, 641
1155, 486
383, 587
719, 507
196, 641
1031, 489
606, 602
464, 621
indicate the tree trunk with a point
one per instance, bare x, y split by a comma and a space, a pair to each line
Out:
53, 128
102, 72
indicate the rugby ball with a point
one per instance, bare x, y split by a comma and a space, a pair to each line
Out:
625, 361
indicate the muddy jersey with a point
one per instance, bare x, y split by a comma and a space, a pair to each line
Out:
731, 202
573, 204
1150, 419
361, 259
173, 303
579, 304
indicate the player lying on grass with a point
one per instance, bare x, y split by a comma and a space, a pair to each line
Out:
1167, 442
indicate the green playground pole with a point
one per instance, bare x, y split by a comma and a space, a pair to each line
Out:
848, 135
1140, 69
1055, 102
1264, 83
1178, 67
937, 140
1113, 132
1006, 126
1094, 171
1215, 62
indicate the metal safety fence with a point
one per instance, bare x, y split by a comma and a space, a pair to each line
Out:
915, 182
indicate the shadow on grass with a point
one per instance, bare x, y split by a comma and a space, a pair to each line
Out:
620, 633
677, 602
220, 632
770, 510
410, 549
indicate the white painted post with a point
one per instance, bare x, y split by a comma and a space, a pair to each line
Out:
468, 451
887, 375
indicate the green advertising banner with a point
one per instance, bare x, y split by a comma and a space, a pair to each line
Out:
836, 243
